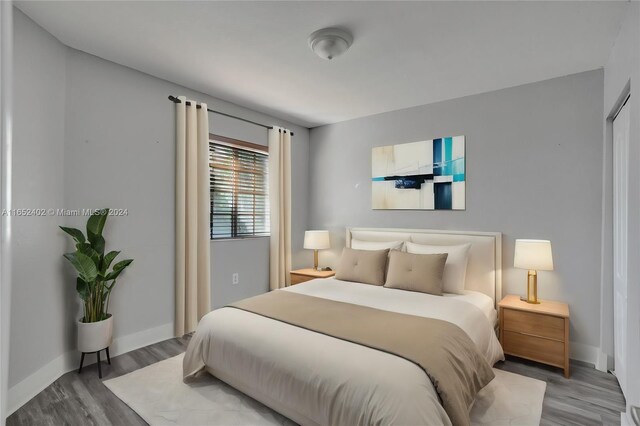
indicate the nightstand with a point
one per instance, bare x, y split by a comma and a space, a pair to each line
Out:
301, 275
536, 332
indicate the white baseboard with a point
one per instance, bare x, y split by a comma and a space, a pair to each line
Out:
20, 393
142, 338
604, 362
625, 419
585, 353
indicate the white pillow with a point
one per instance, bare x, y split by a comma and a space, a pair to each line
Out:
455, 270
376, 245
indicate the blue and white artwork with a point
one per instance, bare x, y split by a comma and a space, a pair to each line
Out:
426, 175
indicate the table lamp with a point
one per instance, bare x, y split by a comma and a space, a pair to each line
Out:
534, 255
316, 240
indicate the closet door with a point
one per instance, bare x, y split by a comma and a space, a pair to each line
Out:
620, 236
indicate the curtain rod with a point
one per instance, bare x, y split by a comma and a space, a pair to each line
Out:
178, 101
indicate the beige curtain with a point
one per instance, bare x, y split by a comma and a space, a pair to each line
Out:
280, 206
193, 285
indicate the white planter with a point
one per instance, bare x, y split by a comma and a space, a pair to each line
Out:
95, 336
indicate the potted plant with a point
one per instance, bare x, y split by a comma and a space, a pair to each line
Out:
95, 282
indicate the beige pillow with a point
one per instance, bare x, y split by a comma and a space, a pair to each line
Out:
362, 266
416, 272
455, 270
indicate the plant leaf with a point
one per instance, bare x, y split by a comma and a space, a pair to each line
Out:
96, 222
108, 258
117, 269
84, 265
82, 288
77, 234
97, 242
86, 248
122, 264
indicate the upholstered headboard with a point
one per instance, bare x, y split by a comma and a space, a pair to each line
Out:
484, 270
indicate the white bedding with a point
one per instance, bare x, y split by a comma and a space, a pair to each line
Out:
456, 309
317, 379
481, 301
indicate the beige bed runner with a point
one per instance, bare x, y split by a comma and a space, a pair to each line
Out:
443, 350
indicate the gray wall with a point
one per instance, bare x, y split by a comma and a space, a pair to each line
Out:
534, 170
101, 134
120, 140
250, 258
40, 296
621, 76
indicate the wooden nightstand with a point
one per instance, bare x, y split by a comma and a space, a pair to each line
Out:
536, 332
301, 275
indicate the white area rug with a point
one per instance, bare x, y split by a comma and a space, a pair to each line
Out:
159, 396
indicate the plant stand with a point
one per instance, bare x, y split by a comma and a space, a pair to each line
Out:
99, 362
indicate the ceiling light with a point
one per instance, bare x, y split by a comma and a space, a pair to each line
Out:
329, 43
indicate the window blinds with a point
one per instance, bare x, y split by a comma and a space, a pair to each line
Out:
239, 197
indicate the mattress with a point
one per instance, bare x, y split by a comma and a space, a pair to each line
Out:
317, 379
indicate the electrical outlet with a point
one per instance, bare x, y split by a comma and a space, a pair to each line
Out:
235, 278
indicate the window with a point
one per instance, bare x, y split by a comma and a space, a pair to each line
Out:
239, 196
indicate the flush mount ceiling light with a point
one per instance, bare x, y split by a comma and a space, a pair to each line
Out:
329, 43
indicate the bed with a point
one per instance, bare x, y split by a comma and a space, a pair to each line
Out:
316, 379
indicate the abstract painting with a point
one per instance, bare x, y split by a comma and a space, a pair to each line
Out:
426, 175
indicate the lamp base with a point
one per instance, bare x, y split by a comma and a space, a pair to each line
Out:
532, 288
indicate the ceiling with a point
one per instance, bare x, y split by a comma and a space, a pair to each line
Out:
404, 54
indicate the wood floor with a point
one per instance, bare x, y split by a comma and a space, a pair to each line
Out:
589, 397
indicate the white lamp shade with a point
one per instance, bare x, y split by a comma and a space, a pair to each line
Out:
317, 240
534, 255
